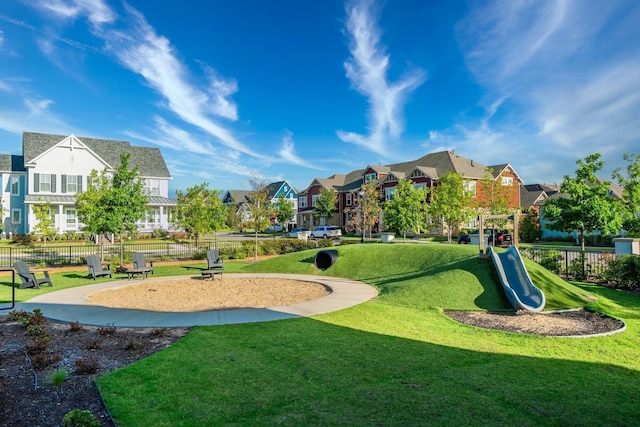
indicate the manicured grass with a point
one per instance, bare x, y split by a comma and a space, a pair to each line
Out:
396, 360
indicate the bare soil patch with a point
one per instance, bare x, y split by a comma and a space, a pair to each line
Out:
566, 323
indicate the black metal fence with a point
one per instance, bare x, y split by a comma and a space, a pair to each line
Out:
571, 263
77, 254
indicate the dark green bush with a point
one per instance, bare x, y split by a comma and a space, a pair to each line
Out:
551, 260
80, 418
624, 272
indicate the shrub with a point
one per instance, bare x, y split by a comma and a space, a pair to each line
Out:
39, 345
87, 365
551, 260
109, 329
159, 332
58, 377
159, 233
80, 418
91, 344
75, 327
22, 239
624, 272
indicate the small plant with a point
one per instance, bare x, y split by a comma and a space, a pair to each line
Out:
18, 316
58, 377
80, 418
40, 344
75, 327
133, 345
109, 329
87, 365
42, 361
92, 344
158, 332
35, 330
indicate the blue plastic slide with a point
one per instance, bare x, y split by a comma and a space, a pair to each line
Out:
517, 285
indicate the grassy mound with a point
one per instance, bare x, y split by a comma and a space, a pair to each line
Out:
450, 277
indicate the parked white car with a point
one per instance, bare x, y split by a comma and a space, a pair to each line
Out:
275, 228
326, 232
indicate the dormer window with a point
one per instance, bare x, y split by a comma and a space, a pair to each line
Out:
370, 177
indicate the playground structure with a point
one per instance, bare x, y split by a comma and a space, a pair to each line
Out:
517, 285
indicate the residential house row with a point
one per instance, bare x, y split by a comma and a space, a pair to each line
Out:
239, 199
424, 172
55, 168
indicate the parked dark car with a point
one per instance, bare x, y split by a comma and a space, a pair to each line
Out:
496, 237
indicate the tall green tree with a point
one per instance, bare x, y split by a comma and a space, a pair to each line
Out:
450, 201
199, 211
46, 222
325, 204
589, 206
530, 228
365, 214
407, 209
260, 211
283, 210
630, 192
114, 203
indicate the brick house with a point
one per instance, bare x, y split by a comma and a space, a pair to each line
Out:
424, 172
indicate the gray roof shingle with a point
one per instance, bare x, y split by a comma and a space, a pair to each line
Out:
11, 163
148, 159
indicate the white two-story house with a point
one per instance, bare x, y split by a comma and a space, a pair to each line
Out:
56, 167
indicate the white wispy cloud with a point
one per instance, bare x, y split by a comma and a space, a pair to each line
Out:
569, 72
35, 116
138, 47
288, 153
367, 70
96, 11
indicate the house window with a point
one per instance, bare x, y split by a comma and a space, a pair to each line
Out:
420, 185
348, 199
314, 198
15, 186
470, 188
303, 201
71, 183
154, 187
153, 216
370, 177
388, 193
44, 183
16, 216
71, 218
507, 181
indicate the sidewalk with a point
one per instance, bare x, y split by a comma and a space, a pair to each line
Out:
70, 305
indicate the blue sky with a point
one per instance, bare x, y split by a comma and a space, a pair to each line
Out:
285, 89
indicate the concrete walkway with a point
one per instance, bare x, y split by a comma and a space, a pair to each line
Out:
70, 305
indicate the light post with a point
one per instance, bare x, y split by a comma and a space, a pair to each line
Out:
362, 195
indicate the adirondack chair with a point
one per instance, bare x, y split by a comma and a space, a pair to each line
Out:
140, 264
215, 264
28, 278
95, 267
213, 260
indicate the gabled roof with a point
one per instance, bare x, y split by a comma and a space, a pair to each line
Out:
497, 170
11, 163
531, 197
235, 196
433, 164
148, 159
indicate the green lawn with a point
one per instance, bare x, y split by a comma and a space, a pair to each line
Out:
396, 360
